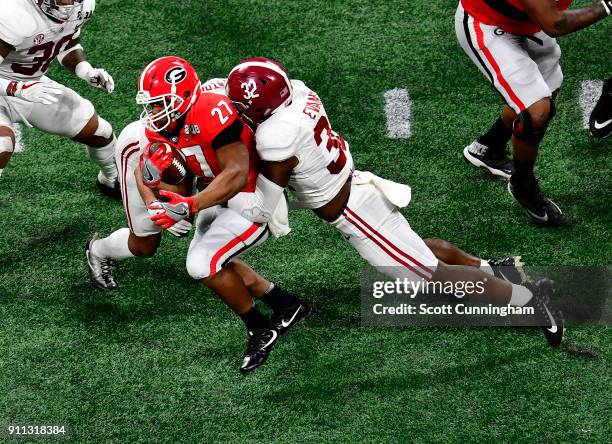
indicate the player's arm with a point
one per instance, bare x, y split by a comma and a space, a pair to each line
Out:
556, 23
74, 59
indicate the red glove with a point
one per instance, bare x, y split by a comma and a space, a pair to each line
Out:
153, 166
176, 209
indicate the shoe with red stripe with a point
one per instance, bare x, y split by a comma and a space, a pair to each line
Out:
258, 348
283, 320
495, 161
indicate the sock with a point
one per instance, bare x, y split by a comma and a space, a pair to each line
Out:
1, 169
520, 295
114, 246
523, 170
255, 320
497, 137
277, 298
105, 158
486, 267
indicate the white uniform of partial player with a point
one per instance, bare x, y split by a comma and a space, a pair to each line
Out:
221, 233
38, 40
370, 222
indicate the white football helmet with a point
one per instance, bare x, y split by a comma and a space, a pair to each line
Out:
58, 9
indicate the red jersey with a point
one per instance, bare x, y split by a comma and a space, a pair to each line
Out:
508, 15
211, 123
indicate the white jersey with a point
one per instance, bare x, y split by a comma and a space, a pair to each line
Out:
36, 38
303, 130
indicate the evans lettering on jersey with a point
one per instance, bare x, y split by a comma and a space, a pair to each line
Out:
302, 129
36, 38
211, 123
508, 15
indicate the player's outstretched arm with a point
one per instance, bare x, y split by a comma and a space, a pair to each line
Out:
75, 61
556, 23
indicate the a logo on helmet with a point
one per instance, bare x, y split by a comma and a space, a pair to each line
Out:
250, 89
176, 75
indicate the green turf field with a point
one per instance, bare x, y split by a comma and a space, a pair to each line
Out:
157, 361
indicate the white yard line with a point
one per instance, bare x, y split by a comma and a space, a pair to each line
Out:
398, 109
18, 141
590, 90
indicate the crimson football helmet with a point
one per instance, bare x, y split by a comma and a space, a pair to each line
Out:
258, 87
56, 10
170, 83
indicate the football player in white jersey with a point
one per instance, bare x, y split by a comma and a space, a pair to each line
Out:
299, 150
33, 33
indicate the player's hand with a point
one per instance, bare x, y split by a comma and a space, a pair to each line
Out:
152, 167
35, 91
179, 229
178, 208
100, 78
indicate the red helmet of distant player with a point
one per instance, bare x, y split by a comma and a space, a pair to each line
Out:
58, 11
258, 87
167, 88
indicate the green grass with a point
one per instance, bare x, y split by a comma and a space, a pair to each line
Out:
157, 360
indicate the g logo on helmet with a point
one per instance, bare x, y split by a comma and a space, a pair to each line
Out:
250, 89
176, 75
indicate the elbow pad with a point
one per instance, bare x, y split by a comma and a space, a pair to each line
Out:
258, 206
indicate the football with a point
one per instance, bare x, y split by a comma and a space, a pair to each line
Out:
177, 171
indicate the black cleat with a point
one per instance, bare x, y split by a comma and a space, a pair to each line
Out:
509, 269
114, 192
498, 164
258, 349
600, 122
100, 270
539, 208
549, 318
283, 320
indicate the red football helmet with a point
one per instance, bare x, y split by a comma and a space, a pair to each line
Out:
170, 83
258, 87
60, 11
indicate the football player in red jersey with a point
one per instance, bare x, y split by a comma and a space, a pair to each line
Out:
218, 148
513, 44
33, 33
299, 150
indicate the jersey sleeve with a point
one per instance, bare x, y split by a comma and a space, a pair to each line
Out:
276, 141
89, 6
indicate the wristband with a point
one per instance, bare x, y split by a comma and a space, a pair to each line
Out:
607, 4
83, 69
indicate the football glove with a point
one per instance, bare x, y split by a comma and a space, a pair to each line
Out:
35, 91
179, 229
178, 208
97, 77
152, 167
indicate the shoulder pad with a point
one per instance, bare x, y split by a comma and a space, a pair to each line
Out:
216, 86
276, 139
16, 23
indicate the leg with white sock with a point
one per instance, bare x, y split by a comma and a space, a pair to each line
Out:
7, 146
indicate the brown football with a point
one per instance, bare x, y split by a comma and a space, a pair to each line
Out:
177, 171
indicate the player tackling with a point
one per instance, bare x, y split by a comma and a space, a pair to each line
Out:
33, 33
512, 42
299, 150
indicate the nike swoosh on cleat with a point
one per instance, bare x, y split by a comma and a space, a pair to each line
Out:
553, 327
274, 335
288, 323
598, 125
535, 216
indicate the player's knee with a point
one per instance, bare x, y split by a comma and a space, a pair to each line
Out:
198, 267
96, 133
7, 140
144, 246
530, 125
104, 129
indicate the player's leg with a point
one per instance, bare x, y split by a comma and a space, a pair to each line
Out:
600, 121
287, 308
214, 245
7, 145
75, 117
383, 237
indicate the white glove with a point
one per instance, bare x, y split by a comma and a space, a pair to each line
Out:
35, 91
179, 229
97, 77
